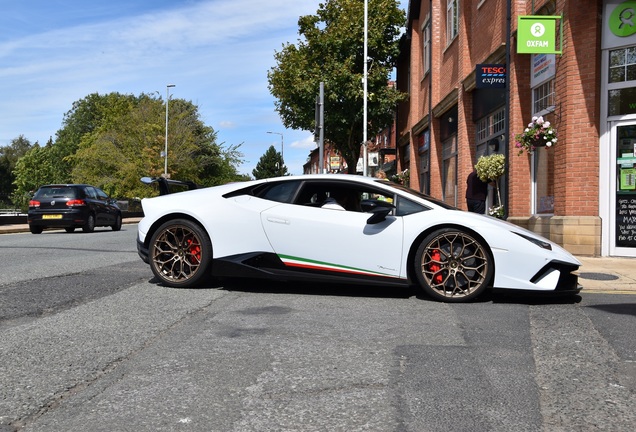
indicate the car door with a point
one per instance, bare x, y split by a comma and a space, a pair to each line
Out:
96, 206
335, 241
108, 210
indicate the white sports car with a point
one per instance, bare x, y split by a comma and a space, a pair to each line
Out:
344, 229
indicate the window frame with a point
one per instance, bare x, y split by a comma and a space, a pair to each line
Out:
426, 46
452, 20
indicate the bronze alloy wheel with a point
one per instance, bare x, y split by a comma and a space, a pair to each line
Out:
180, 253
453, 266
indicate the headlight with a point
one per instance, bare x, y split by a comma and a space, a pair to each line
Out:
542, 244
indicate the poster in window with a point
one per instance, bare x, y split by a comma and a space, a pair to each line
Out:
628, 177
626, 220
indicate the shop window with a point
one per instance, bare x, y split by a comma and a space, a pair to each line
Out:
621, 74
490, 128
452, 20
424, 158
490, 131
449, 170
544, 188
542, 164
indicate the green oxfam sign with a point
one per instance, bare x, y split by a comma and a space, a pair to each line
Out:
622, 21
536, 34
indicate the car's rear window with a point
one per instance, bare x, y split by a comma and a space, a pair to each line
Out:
56, 192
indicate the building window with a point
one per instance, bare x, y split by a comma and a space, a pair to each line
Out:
543, 97
489, 128
426, 47
424, 156
452, 20
622, 73
622, 65
543, 160
449, 170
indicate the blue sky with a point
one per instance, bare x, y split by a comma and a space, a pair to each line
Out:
216, 53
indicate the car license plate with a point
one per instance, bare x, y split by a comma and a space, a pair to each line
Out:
52, 216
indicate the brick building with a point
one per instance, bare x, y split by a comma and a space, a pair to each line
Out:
580, 192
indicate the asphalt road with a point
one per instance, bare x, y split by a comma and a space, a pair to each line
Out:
89, 342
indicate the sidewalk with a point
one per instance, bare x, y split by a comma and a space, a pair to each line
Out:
596, 274
608, 274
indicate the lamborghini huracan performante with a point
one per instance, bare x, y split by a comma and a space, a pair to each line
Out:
330, 228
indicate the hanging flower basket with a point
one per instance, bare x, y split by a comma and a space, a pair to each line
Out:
540, 141
539, 133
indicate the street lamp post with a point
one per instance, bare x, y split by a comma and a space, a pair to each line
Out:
365, 153
282, 145
165, 151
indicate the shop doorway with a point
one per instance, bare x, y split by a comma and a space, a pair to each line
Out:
622, 206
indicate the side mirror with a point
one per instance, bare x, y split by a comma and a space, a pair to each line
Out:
379, 210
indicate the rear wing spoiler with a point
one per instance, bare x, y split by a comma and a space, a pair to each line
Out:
164, 184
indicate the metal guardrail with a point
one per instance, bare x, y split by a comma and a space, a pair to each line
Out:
10, 212
20, 219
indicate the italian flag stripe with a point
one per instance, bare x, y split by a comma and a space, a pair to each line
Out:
320, 265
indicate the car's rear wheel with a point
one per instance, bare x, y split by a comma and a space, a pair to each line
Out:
70, 229
180, 253
89, 226
36, 229
117, 225
451, 265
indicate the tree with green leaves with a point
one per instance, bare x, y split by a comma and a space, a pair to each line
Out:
113, 140
9, 156
331, 51
31, 171
270, 165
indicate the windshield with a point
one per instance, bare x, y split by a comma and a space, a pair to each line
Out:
56, 192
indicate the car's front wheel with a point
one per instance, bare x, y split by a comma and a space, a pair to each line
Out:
451, 265
117, 225
180, 253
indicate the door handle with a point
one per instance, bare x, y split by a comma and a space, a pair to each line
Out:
277, 220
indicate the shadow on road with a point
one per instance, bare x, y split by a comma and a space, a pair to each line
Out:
352, 290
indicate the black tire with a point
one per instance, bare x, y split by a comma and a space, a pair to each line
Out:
70, 229
451, 265
117, 225
36, 229
89, 226
180, 253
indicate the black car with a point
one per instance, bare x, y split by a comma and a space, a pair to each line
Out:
71, 206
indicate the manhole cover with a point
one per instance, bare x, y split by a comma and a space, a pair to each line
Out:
598, 276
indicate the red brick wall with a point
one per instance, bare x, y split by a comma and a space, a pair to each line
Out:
578, 110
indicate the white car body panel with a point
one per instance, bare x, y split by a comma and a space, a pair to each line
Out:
233, 224
336, 239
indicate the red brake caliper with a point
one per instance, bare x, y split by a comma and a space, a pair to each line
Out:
435, 267
195, 250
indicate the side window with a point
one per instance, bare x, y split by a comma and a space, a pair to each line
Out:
101, 194
406, 207
90, 192
280, 192
357, 200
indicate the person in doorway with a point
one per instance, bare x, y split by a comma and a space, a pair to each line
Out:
476, 193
